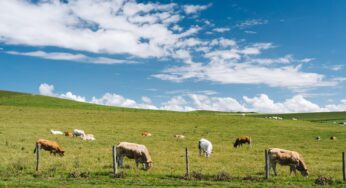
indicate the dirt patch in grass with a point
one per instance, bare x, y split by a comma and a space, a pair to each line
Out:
222, 176
321, 180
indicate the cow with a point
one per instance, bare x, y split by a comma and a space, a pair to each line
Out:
68, 134
77, 132
179, 137
56, 132
134, 151
333, 138
242, 140
51, 146
318, 138
205, 147
87, 137
287, 158
145, 133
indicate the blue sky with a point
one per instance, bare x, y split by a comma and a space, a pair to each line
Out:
265, 56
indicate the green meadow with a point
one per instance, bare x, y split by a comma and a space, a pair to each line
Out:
24, 118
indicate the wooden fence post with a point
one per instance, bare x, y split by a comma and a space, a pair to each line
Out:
38, 147
187, 162
343, 167
267, 168
115, 165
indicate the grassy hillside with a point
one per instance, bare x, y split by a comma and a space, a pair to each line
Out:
9, 98
25, 118
322, 117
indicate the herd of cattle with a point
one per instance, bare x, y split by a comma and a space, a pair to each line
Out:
141, 155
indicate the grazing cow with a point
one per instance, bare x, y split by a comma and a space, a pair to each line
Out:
77, 132
51, 146
134, 151
205, 146
68, 134
87, 137
287, 158
55, 132
145, 133
333, 138
242, 140
318, 138
179, 137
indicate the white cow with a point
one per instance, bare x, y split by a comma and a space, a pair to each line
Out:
56, 132
87, 137
205, 146
77, 132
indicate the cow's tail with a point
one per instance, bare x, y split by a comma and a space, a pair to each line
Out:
199, 145
35, 150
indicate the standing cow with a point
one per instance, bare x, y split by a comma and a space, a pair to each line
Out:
287, 158
134, 151
51, 146
242, 140
205, 147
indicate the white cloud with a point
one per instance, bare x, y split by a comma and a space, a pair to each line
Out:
189, 101
221, 29
336, 67
250, 32
298, 103
46, 89
72, 57
243, 73
146, 100
71, 96
252, 22
111, 26
192, 9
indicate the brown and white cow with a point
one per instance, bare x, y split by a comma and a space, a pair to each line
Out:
242, 140
287, 158
134, 151
51, 146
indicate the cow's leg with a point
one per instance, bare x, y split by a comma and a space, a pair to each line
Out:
291, 169
273, 165
200, 152
122, 161
137, 162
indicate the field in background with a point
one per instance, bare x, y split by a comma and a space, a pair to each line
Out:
25, 118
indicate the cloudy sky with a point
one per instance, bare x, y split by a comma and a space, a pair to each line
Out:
227, 55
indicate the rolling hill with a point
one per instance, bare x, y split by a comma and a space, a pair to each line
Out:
24, 118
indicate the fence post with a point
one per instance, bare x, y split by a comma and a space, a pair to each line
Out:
187, 162
38, 147
115, 165
343, 167
267, 168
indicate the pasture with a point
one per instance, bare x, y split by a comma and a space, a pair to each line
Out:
26, 118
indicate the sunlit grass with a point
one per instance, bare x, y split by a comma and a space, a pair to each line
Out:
21, 126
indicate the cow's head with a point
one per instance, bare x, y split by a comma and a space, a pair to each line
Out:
302, 168
148, 164
61, 153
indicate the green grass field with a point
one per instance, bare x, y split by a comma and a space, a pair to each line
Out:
24, 118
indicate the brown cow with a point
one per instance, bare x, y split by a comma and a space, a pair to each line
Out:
242, 140
133, 151
146, 133
51, 146
287, 158
69, 134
